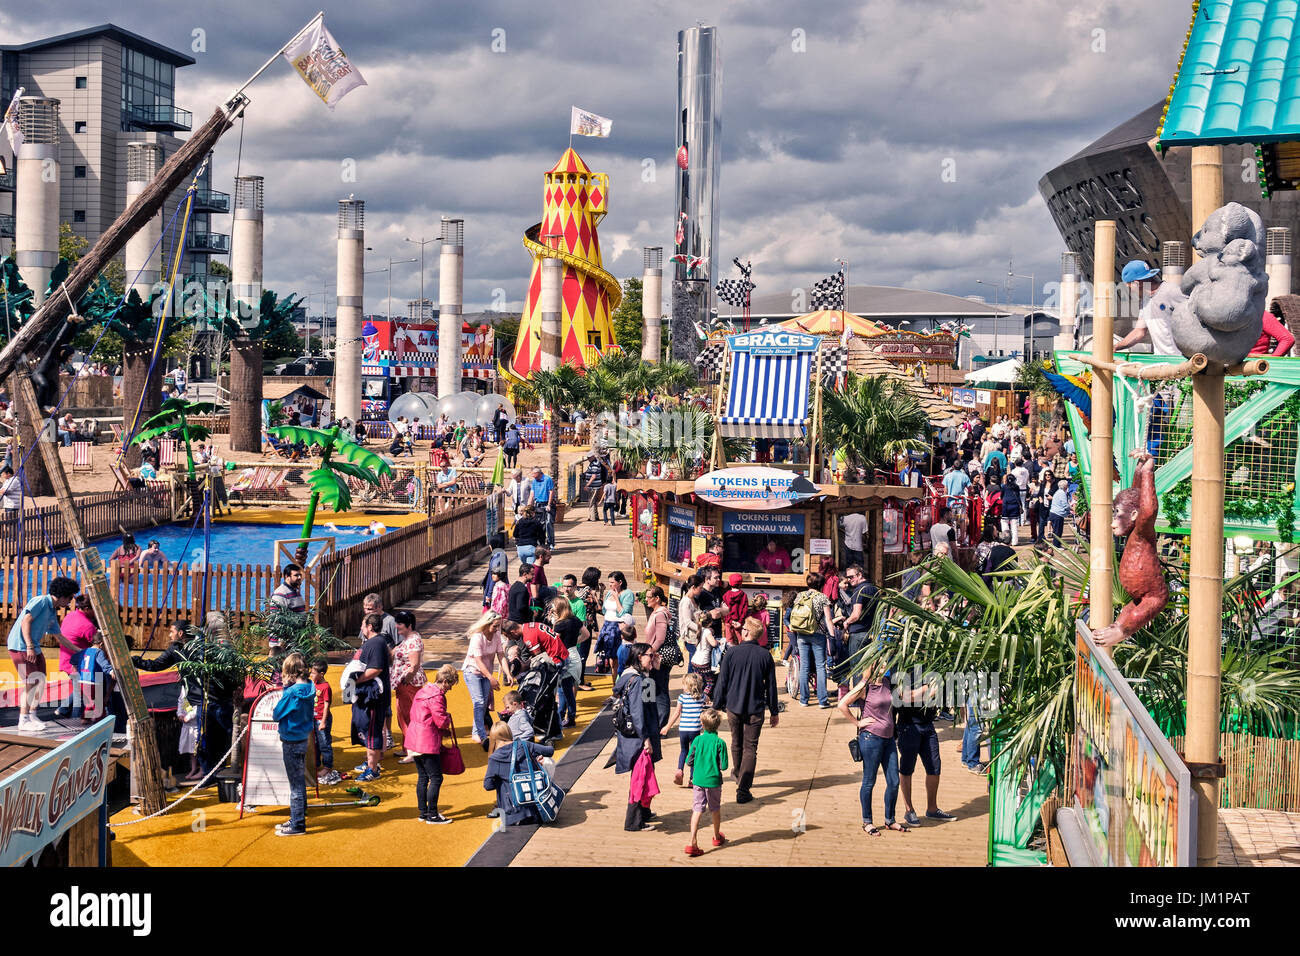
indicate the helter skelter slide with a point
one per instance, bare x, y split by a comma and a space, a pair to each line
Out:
574, 203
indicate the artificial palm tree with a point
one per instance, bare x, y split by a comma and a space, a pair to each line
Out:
874, 419
340, 459
1021, 628
175, 414
246, 353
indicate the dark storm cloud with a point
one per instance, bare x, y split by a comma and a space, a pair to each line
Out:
837, 150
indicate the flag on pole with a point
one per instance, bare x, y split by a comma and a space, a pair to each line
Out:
829, 292
11, 122
583, 123
322, 64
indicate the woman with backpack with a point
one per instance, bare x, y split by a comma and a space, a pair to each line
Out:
636, 722
810, 623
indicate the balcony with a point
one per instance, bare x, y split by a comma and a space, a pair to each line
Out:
159, 118
7, 181
211, 200
6, 227
211, 242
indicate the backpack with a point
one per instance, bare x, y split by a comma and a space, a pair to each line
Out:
803, 618
622, 715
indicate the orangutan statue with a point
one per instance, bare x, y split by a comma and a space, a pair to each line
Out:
1134, 516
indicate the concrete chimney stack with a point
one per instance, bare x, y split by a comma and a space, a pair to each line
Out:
1065, 338
652, 311
246, 249
36, 199
348, 304
451, 294
143, 253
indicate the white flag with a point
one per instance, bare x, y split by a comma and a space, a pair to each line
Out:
322, 64
11, 122
582, 123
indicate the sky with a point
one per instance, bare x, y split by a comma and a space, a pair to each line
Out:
904, 136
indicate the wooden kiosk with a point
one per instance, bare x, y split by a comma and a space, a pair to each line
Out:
767, 391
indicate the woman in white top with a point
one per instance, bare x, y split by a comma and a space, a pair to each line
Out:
484, 656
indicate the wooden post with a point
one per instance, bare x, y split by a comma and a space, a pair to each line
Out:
145, 761
1205, 577
1101, 609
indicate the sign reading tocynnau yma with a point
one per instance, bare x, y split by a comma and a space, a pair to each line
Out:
750, 488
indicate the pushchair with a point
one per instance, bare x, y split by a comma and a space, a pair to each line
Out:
537, 687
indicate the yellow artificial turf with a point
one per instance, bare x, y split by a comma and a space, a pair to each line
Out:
204, 832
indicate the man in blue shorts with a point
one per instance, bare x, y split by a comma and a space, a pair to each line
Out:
370, 711
917, 738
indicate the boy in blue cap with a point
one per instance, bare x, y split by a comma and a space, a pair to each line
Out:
1157, 308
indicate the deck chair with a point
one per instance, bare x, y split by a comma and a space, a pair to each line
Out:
283, 449
166, 454
120, 477
117, 432
81, 456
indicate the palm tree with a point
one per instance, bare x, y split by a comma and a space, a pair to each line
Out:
328, 482
874, 419
175, 414
564, 386
246, 352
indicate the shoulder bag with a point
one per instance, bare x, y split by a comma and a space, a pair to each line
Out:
453, 762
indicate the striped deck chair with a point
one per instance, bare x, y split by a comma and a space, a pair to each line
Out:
166, 454
117, 432
81, 456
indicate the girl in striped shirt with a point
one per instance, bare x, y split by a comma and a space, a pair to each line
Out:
690, 704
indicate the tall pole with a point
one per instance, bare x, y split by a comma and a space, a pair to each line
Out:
451, 292
1069, 300
1205, 576
1101, 607
246, 249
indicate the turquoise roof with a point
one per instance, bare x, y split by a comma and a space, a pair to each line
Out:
1238, 80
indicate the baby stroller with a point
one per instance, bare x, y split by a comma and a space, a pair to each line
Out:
537, 687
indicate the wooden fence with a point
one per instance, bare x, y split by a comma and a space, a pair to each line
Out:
1263, 772
102, 514
151, 598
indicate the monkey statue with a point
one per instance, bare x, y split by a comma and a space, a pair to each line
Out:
1134, 515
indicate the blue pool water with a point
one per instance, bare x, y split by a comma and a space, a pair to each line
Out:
231, 543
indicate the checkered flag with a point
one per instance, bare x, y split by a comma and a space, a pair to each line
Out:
735, 291
829, 292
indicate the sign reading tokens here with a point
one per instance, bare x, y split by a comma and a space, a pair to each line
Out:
963, 397
681, 516
750, 488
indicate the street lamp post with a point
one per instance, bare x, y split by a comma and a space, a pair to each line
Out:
422, 242
996, 315
388, 302
1033, 284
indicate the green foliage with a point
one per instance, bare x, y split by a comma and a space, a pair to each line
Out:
174, 416
565, 387
627, 320
506, 330
1030, 378
1022, 629
874, 419
219, 269
71, 246
17, 298
340, 459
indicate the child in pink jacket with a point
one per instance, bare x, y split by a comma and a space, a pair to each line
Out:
429, 723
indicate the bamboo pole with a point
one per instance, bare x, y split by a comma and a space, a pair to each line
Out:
1101, 610
1205, 605
1162, 372
146, 765
1205, 584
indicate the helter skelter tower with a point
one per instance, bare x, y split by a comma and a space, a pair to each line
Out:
574, 202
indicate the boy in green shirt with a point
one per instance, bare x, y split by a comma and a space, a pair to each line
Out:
707, 759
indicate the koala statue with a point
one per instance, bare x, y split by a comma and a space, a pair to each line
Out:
1223, 314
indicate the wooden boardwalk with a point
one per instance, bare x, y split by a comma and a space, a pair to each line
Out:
806, 807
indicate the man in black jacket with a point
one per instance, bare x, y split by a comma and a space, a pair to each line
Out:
745, 688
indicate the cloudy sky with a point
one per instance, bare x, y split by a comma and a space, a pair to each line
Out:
839, 122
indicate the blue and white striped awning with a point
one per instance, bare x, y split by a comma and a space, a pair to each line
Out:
767, 396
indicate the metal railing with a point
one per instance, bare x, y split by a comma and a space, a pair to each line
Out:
211, 200
160, 117
209, 242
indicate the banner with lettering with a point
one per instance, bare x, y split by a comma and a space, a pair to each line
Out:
40, 801
1131, 788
